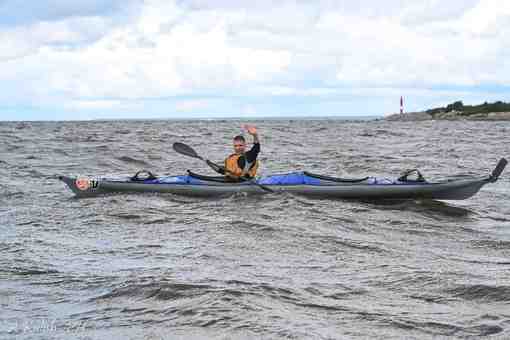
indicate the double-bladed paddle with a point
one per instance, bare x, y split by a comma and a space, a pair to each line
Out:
187, 150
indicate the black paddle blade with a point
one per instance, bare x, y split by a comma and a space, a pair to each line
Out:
186, 150
498, 170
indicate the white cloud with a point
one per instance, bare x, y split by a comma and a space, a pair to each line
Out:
100, 57
22, 41
430, 11
14, 13
191, 105
99, 104
248, 110
142, 60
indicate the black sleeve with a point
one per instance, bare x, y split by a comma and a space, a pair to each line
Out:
251, 155
218, 168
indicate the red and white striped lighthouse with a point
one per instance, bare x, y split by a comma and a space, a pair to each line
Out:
401, 105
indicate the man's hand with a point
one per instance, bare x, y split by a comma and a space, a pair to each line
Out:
252, 130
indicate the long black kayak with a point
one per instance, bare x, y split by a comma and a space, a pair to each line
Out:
301, 183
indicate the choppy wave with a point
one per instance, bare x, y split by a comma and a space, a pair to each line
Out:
482, 292
278, 267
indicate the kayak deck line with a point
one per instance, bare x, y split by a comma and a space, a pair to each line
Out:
300, 183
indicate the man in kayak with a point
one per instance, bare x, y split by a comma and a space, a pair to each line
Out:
242, 163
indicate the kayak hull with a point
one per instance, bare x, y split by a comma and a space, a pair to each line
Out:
451, 190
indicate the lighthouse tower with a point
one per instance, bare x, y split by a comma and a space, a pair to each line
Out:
401, 105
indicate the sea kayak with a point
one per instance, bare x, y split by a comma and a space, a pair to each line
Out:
300, 183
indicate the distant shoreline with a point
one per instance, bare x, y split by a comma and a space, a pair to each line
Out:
458, 111
453, 115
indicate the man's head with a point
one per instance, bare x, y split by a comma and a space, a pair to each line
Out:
239, 144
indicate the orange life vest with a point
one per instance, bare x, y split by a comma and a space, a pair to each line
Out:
233, 169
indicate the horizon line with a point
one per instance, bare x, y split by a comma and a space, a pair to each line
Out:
244, 117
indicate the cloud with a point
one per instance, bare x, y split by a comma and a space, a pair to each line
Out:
101, 104
426, 12
22, 41
141, 60
191, 105
16, 13
88, 55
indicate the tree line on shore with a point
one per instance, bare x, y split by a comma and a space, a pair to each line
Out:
466, 110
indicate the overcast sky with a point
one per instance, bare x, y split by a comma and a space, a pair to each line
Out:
86, 59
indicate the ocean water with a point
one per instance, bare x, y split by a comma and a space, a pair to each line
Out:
243, 267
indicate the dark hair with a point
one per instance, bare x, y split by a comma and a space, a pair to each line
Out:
239, 138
